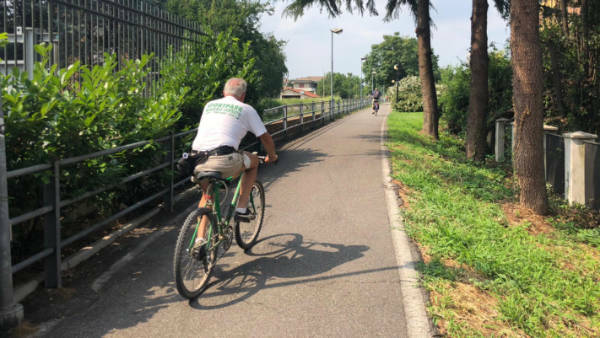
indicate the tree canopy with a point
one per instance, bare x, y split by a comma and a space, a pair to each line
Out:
242, 19
344, 85
394, 50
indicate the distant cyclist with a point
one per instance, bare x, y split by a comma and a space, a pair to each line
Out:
376, 95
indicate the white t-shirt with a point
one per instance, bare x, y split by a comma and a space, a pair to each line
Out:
225, 122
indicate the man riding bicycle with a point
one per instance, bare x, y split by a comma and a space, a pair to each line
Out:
376, 95
223, 124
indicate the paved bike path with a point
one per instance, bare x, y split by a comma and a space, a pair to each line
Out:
325, 264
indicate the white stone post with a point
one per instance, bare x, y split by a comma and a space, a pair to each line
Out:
575, 180
499, 146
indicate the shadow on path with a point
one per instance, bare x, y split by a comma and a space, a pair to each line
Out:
290, 261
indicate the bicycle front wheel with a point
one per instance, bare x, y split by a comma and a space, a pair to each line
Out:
193, 262
246, 233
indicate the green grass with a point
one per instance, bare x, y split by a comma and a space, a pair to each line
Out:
542, 285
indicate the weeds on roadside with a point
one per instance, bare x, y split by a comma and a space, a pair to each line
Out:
488, 276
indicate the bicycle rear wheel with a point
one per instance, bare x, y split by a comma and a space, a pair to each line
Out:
246, 233
193, 264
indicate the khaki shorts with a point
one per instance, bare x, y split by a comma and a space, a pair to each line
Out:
230, 165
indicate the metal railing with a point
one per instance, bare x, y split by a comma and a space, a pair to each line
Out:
294, 119
83, 30
554, 158
571, 161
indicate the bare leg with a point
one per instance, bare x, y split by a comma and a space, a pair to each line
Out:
204, 220
247, 181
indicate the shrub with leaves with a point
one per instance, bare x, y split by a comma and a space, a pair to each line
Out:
454, 101
205, 68
61, 113
410, 98
456, 80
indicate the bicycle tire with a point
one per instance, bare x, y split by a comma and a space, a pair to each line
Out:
246, 233
185, 259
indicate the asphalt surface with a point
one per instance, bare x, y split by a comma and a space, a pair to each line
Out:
324, 266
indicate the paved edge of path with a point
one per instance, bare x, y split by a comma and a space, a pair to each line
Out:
414, 298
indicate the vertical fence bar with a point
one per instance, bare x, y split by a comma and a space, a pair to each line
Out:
172, 175
79, 37
285, 117
313, 108
72, 34
5, 62
11, 313
52, 231
301, 116
322, 112
51, 56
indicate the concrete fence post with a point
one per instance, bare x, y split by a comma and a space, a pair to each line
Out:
500, 138
11, 313
576, 180
513, 137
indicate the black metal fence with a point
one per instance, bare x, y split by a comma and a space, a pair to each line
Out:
304, 117
83, 30
592, 172
555, 162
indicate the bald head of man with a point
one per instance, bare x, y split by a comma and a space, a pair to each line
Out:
235, 87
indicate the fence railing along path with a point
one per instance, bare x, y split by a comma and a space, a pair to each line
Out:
84, 30
286, 122
571, 161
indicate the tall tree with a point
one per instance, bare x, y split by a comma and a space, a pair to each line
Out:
527, 101
478, 98
420, 9
430, 106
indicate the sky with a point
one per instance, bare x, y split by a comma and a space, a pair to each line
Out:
308, 49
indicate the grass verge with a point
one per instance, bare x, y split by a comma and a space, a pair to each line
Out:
492, 269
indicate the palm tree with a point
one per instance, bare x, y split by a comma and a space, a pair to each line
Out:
420, 10
528, 105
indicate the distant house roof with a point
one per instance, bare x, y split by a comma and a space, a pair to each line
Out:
309, 78
301, 92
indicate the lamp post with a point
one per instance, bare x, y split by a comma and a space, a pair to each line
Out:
397, 69
361, 75
336, 31
372, 86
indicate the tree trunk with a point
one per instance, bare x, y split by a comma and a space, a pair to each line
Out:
478, 98
430, 109
527, 101
564, 17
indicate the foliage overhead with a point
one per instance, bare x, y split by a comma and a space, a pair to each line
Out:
204, 68
333, 7
242, 20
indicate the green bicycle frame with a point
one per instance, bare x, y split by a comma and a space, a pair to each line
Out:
217, 208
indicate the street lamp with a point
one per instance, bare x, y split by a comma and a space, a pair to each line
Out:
336, 31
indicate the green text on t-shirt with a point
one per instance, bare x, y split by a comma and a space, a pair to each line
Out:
224, 108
